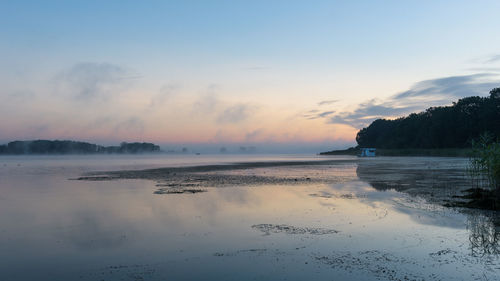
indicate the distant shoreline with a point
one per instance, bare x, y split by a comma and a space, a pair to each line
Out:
67, 147
437, 152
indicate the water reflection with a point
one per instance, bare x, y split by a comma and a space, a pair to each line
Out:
120, 230
484, 233
431, 180
88, 231
414, 174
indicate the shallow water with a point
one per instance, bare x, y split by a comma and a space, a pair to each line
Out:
52, 228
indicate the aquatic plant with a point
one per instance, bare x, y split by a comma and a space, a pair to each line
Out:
484, 234
484, 165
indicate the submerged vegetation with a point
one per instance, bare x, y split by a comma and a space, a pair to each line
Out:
73, 147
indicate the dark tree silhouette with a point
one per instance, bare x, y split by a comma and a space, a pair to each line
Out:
452, 126
73, 147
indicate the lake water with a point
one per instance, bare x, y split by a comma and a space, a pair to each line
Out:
55, 228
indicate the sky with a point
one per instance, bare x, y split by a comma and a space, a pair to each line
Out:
276, 75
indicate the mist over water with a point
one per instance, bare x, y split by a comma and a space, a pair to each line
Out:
257, 148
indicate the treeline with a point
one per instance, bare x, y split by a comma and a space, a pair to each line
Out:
452, 126
74, 147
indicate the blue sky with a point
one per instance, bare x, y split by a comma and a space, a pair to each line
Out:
238, 72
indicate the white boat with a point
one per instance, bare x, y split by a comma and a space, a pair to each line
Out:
368, 152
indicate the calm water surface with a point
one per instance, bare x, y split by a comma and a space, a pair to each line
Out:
53, 228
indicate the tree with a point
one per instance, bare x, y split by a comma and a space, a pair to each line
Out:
452, 126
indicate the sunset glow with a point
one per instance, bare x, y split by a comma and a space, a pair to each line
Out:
235, 73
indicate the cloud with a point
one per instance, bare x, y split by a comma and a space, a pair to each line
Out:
326, 113
485, 69
38, 130
235, 113
453, 86
222, 136
492, 59
20, 96
208, 101
206, 104
420, 96
327, 102
167, 91
484, 60
317, 115
87, 81
133, 125
254, 135
100, 122
367, 112
209, 105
